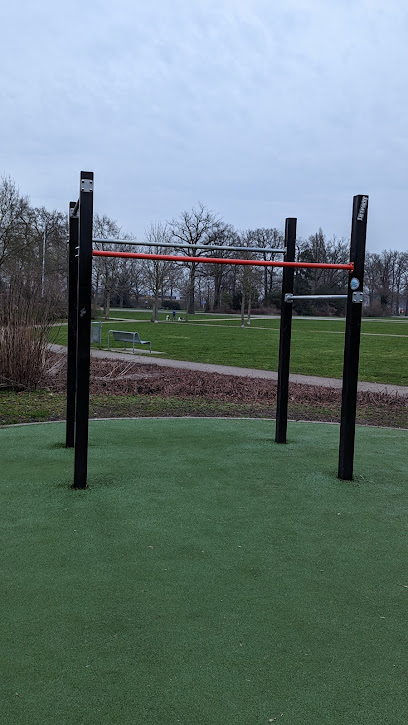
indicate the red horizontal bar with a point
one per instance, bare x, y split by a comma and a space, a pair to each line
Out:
215, 260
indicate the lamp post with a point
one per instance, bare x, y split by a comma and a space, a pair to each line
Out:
43, 261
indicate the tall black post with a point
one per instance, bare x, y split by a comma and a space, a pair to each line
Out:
352, 338
84, 329
285, 334
72, 325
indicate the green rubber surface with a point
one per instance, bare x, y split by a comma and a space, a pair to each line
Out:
207, 575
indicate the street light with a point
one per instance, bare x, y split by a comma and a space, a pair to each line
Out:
43, 261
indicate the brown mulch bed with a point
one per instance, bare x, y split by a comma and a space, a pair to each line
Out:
255, 397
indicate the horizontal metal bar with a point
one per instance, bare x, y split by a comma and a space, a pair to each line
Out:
289, 297
221, 260
135, 243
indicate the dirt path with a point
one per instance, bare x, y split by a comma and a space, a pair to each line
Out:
334, 383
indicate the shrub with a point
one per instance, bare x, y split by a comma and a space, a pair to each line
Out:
24, 327
374, 310
170, 305
264, 311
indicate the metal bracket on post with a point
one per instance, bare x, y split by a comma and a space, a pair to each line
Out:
357, 297
86, 185
288, 297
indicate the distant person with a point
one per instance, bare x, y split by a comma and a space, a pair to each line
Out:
174, 315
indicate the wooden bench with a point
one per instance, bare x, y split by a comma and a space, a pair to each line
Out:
125, 337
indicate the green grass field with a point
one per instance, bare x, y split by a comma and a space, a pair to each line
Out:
317, 344
207, 576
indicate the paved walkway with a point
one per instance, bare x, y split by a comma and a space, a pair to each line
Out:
146, 358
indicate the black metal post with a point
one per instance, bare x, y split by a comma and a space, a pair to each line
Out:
84, 329
352, 338
285, 334
72, 325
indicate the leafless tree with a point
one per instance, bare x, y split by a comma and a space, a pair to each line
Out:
385, 281
320, 249
199, 226
15, 215
399, 270
106, 269
272, 239
217, 276
157, 271
250, 276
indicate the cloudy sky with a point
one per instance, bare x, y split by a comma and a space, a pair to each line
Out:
260, 109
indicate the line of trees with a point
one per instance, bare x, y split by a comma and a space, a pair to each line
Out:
33, 249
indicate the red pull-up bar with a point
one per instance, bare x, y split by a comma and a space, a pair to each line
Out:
215, 260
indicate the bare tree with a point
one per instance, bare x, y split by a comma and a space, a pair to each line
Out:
317, 248
320, 249
199, 226
371, 278
155, 270
272, 239
48, 251
106, 269
15, 228
404, 289
124, 279
399, 262
250, 277
385, 281
215, 276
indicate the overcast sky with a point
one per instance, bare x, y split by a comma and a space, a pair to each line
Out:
260, 109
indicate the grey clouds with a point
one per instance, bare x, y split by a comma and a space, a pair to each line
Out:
260, 110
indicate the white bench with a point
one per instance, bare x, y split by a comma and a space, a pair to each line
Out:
125, 337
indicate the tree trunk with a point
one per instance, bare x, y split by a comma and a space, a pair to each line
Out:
190, 292
270, 284
243, 309
191, 299
249, 307
397, 301
107, 303
217, 292
265, 284
155, 307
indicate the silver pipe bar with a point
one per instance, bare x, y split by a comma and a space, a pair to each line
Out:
134, 243
289, 297
74, 211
